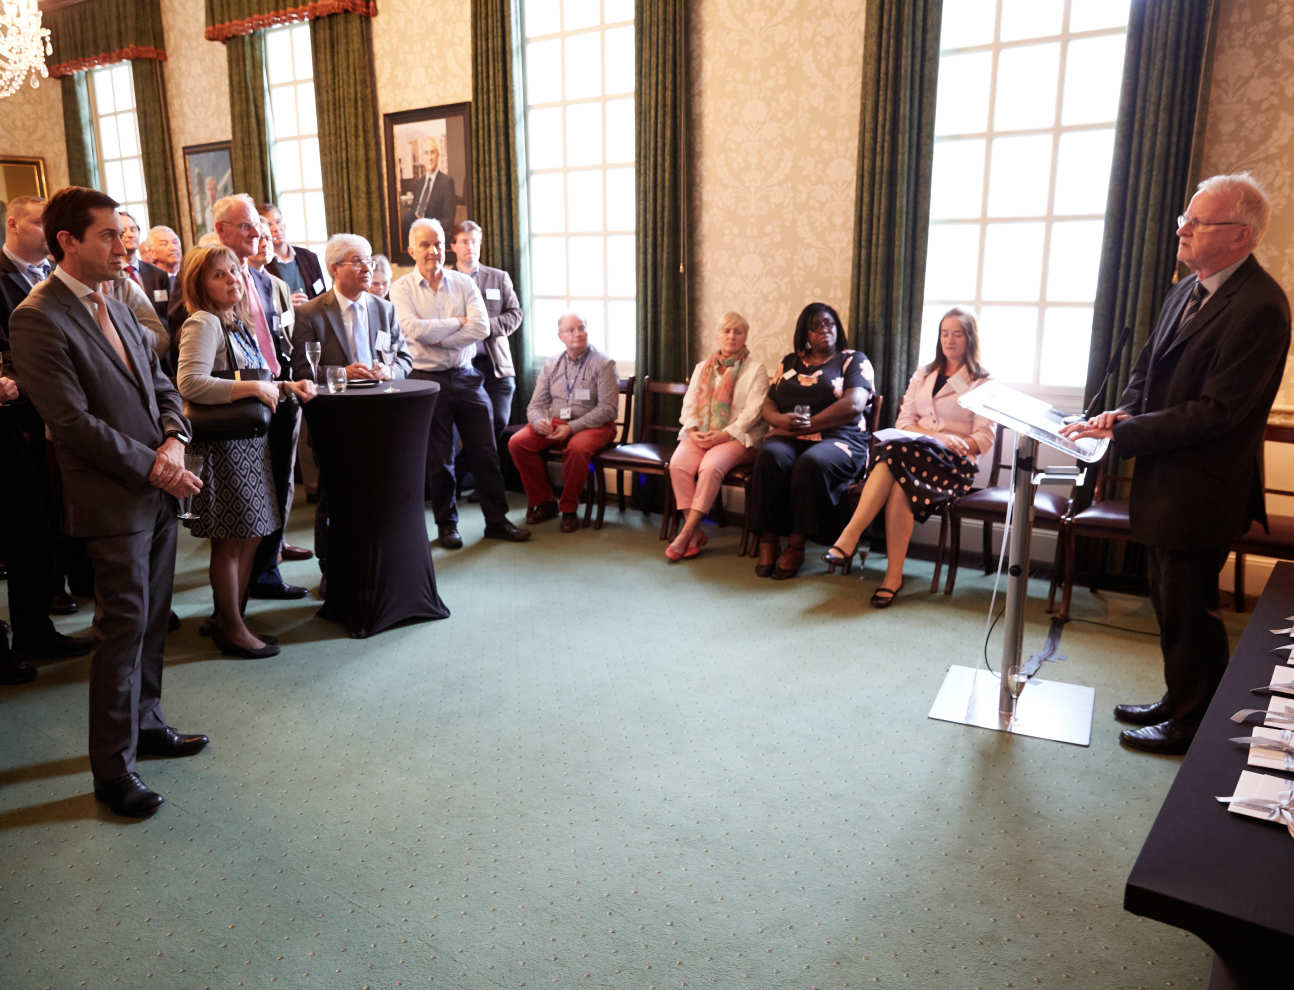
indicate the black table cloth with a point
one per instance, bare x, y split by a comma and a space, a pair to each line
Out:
1227, 878
371, 446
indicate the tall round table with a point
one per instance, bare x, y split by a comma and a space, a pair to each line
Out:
371, 447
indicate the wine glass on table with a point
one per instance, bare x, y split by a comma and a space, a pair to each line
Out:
387, 356
314, 350
193, 461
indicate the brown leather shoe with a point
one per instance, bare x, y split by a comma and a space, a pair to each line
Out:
570, 522
296, 553
541, 512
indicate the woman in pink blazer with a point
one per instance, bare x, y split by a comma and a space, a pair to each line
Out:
917, 473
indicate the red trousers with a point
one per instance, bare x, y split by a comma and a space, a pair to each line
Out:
526, 446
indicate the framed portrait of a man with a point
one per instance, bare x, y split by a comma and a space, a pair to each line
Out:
208, 175
428, 171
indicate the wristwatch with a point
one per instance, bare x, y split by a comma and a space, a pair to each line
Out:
180, 435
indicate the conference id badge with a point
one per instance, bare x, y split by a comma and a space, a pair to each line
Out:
493, 294
383, 341
318, 286
161, 295
564, 413
583, 395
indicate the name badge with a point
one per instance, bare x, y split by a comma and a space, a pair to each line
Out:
161, 295
383, 340
318, 286
493, 294
582, 395
564, 412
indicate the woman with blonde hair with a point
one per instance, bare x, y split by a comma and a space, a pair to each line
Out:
721, 425
238, 504
913, 476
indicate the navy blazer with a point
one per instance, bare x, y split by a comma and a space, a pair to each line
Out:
13, 290
106, 421
156, 283
1199, 400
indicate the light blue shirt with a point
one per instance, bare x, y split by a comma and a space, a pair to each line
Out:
430, 318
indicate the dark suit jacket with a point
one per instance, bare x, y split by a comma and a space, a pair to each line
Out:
1199, 401
505, 316
155, 282
320, 319
13, 290
307, 265
433, 197
106, 423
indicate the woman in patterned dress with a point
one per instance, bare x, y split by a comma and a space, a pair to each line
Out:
816, 444
237, 504
916, 475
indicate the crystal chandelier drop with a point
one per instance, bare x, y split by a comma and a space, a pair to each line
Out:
23, 45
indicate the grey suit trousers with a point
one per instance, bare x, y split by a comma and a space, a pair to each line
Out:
134, 574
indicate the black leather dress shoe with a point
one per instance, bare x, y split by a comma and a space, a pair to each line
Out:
1170, 738
55, 646
231, 649
1151, 714
63, 604
127, 795
281, 592
165, 743
506, 531
16, 672
448, 537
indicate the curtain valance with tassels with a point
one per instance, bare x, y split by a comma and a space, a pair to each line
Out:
85, 35
232, 18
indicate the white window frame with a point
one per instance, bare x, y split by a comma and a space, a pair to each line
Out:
611, 315
114, 169
294, 147
934, 305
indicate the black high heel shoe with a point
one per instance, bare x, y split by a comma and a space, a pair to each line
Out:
844, 561
231, 649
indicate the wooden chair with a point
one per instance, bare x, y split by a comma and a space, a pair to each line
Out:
1275, 541
988, 505
649, 456
1106, 518
739, 477
625, 386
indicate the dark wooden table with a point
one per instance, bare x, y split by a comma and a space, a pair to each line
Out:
1227, 878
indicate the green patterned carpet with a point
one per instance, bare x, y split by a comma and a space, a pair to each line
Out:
602, 771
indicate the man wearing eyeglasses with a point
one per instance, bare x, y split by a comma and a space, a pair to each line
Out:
1193, 416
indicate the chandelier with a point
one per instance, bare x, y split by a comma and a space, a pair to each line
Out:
23, 45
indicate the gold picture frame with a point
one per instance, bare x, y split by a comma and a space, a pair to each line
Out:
21, 175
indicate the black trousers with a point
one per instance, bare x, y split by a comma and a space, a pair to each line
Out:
285, 428
1184, 591
500, 392
29, 524
463, 405
797, 485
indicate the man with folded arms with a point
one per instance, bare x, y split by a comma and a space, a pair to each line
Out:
119, 432
443, 315
573, 407
1193, 416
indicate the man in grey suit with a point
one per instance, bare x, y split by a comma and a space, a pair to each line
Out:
355, 330
1193, 416
119, 432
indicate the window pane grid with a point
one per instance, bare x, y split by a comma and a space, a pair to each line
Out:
580, 146
1024, 136
295, 153
121, 165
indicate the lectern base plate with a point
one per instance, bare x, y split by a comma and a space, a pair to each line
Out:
1045, 709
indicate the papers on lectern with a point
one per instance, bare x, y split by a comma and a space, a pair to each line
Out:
1032, 417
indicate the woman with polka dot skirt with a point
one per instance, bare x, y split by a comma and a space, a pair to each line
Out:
918, 474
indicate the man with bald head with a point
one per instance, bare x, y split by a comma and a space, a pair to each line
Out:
1193, 416
573, 407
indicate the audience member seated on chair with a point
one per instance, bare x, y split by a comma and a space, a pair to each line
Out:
914, 476
816, 444
238, 503
721, 425
573, 407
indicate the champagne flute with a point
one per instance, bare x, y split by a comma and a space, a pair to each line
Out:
193, 461
314, 350
387, 356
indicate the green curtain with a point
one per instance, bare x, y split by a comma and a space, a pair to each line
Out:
895, 153
88, 34
499, 162
232, 18
156, 148
661, 156
250, 131
78, 132
346, 105
1164, 66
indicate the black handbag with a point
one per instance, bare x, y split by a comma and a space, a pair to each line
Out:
241, 419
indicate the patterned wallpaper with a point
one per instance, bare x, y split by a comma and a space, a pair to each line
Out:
775, 137
31, 125
1251, 125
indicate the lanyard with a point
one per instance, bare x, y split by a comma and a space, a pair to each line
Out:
579, 370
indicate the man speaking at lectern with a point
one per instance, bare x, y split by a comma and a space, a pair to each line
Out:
1193, 416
